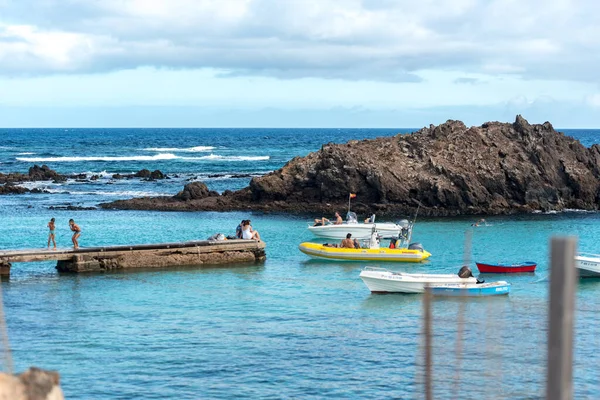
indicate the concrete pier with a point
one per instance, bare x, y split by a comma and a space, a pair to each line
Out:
97, 259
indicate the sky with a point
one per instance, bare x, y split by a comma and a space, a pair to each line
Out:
298, 63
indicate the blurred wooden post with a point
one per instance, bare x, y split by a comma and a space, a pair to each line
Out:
563, 277
427, 333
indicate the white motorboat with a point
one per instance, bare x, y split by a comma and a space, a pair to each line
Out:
588, 265
360, 230
380, 280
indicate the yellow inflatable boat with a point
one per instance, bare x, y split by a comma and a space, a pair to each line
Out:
370, 254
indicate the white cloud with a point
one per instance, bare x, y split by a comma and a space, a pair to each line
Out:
378, 40
594, 100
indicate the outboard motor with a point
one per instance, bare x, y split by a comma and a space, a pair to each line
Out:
465, 272
416, 246
403, 223
351, 218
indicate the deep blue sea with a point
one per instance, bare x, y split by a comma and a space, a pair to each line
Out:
288, 328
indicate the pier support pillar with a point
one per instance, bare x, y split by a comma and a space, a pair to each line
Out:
79, 263
260, 254
5, 268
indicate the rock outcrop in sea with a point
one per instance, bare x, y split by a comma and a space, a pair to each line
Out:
44, 173
449, 169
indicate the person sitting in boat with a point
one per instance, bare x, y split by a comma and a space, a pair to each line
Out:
370, 220
325, 221
338, 219
347, 243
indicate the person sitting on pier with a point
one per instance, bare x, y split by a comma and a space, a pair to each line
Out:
51, 236
348, 243
248, 233
77, 232
238, 230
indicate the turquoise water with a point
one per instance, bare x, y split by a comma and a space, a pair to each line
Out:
290, 327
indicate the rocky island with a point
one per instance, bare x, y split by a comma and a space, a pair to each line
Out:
449, 169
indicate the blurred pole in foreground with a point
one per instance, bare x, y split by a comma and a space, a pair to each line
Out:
563, 277
427, 333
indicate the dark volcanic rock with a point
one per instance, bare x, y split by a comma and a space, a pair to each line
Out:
43, 173
13, 189
447, 169
157, 175
71, 208
10, 188
143, 173
36, 173
193, 191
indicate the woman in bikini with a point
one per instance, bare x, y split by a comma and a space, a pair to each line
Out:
51, 237
77, 232
248, 233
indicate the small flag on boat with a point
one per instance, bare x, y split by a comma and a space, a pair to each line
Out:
352, 195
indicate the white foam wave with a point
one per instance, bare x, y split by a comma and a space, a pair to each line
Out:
102, 174
158, 157
25, 154
37, 185
195, 149
566, 210
229, 158
126, 193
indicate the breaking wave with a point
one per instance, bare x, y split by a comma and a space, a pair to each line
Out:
229, 158
157, 157
195, 149
125, 193
101, 158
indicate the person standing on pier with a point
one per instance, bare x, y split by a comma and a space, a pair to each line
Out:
51, 237
77, 232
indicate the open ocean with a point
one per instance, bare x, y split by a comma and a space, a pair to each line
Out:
288, 328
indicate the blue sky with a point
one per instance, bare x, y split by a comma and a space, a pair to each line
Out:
297, 63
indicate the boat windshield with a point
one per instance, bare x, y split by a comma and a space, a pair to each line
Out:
351, 218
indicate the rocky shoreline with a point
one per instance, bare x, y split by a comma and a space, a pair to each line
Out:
11, 183
449, 169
